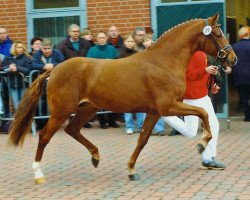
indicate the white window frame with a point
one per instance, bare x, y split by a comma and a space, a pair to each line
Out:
53, 12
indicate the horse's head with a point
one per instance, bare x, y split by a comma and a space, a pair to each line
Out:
215, 43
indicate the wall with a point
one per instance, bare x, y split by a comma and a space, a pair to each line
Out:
239, 10
125, 14
242, 11
13, 18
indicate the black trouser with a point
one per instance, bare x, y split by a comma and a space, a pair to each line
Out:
107, 118
244, 91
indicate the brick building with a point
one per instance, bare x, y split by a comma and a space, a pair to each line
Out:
25, 19
21, 17
97, 14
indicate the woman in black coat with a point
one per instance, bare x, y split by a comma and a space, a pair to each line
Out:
18, 65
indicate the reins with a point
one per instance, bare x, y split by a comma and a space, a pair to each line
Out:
215, 79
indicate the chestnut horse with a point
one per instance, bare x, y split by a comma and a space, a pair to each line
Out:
152, 81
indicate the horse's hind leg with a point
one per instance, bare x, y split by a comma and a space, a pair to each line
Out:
44, 137
84, 112
182, 109
147, 128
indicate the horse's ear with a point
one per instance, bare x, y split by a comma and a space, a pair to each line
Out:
215, 18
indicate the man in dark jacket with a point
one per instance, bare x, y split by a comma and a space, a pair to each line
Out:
241, 72
46, 58
74, 45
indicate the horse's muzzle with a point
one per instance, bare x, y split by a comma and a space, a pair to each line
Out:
235, 59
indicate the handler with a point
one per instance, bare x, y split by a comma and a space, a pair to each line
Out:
197, 77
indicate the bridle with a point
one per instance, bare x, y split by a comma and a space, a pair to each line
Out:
222, 54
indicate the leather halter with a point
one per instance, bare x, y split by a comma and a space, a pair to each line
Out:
222, 53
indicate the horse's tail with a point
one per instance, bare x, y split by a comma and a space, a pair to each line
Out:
26, 111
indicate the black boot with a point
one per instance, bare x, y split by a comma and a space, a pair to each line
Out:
87, 125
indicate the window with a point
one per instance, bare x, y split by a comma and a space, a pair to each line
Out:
171, 1
44, 4
47, 18
55, 28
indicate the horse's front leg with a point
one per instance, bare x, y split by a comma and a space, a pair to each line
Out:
147, 128
182, 109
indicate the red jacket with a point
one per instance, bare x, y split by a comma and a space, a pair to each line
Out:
197, 77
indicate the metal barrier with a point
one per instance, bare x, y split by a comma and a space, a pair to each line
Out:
8, 113
42, 111
42, 107
9, 82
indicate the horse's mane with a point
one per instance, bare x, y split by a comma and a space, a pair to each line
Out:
172, 29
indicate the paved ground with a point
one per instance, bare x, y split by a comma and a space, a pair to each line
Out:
168, 166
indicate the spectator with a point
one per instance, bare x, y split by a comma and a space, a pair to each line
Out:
197, 95
128, 47
116, 41
125, 51
1, 59
5, 42
139, 34
104, 51
241, 72
36, 44
115, 38
46, 58
18, 61
4, 101
159, 128
149, 32
74, 45
87, 34
1, 88
147, 42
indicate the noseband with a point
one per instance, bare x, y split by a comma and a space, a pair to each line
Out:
222, 53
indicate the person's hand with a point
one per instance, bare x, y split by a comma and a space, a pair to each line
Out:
215, 89
13, 67
228, 70
48, 67
212, 69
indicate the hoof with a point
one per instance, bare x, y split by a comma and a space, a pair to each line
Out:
134, 177
200, 148
94, 161
40, 180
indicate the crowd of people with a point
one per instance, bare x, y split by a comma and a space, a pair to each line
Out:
18, 63
111, 45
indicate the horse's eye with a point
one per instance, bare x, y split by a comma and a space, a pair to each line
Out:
219, 36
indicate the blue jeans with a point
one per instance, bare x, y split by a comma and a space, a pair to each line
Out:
159, 126
16, 94
129, 122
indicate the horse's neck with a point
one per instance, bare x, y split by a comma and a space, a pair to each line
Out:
179, 43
